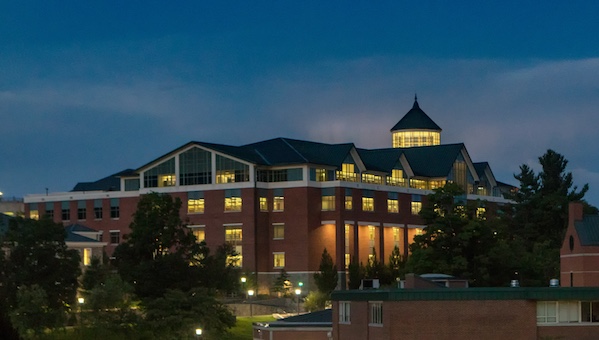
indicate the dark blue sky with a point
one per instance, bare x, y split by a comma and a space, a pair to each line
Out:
88, 89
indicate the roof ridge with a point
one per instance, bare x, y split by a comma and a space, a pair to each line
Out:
294, 149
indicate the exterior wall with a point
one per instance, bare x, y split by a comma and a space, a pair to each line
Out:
507, 319
568, 332
308, 229
579, 264
299, 333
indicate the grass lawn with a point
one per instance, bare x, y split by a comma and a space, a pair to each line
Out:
243, 328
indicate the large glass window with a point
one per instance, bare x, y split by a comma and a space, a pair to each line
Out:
418, 183
347, 254
371, 178
328, 199
283, 175
230, 171
347, 173
195, 202
568, 311
396, 178
195, 167
321, 175
131, 184
162, 175
233, 200
234, 236
86, 256
407, 139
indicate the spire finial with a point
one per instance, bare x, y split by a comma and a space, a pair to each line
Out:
415, 97
415, 106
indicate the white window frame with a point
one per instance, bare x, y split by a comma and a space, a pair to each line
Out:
375, 313
345, 312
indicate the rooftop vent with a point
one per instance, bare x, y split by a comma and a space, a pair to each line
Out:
514, 283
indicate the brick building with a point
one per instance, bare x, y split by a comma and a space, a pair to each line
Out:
280, 202
579, 255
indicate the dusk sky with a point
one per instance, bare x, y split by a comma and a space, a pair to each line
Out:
90, 88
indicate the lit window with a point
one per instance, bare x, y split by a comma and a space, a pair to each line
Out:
87, 256
406, 139
229, 171
436, 184
233, 200
278, 200
370, 178
375, 313
279, 260
348, 199
347, 173
344, 312
234, 236
396, 178
371, 242
278, 231
418, 184
167, 180
328, 199
416, 204
396, 237
34, 213
367, 202
199, 231
393, 202
347, 255
115, 237
195, 202
481, 213
263, 204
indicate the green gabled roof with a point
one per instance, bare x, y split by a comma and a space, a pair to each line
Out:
110, 183
588, 230
416, 119
320, 153
380, 159
235, 151
433, 161
491, 293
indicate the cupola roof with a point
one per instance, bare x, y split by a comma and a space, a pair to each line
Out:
416, 119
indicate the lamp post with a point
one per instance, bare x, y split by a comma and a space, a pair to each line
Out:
298, 292
250, 294
243, 281
198, 332
81, 301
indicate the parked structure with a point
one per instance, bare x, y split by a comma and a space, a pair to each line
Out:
280, 202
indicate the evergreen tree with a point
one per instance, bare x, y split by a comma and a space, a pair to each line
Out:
327, 277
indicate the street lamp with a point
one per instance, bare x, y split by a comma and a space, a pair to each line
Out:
81, 301
298, 292
250, 294
243, 281
198, 332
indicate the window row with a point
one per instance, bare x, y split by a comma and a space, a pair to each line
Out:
375, 313
81, 213
567, 311
328, 201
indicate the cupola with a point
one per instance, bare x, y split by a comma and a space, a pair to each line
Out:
416, 128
